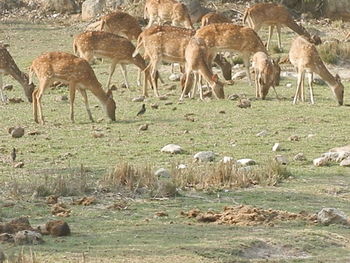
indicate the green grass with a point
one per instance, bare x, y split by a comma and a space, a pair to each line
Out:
134, 234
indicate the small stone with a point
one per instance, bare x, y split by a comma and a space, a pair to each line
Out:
143, 127
322, 161
227, 159
299, 157
207, 156
281, 159
345, 162
17, 132
222, 112
262, 133
276, 147
64, 98
181, 166
233, 97
163, 97
332, 216
174, 77
162, 172
19, 165
172, 148
138, 99
8, 87
16, 100
294, 138
154, 106
186, 131
98, 134
168, 103
311, 135
289, 85
244, 103
27, 237
245, 162
174, 109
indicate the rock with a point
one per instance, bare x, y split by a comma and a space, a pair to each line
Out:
245, 162
294, 138
61, 6
319, 81
207, 156
311, 135
168, 103
345, 148
97, 134
262, 133
56, 228
281, 159
239, 75
16, 100
6, 237
222, 112
276, 147
17, 132
244, 103
28, 237
2, 256
289, 85
91, 9
143, 127
332, 216
163, 97
172, 148
342, 156
162, 172
299, 157
322, 161
345, 162
181, 166
227, 159
233, 97
154, 106
19, 165
138, 99
175, 77
331, 156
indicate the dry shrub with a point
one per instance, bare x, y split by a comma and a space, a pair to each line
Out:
334, 52
130, 177
228, 175
23, 257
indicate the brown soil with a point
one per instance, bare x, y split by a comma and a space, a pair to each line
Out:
248, 216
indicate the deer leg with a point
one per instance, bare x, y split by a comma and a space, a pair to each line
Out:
270, 36
139, 82
85, 98
279, 37
1, 90
72, 99
38, 95
185, 87
153, 77
35, 105
125, 75
195, 85
302, 90
150, 22
311, 88
256, 77
275, 92
298, 87
111, 72
246, 64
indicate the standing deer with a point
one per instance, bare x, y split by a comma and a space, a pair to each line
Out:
233, 38
267, 73
117, 49
214, 17
273, 15
74, 71
167, 10
8, 67
305, 58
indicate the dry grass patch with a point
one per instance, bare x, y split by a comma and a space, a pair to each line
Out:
334, 52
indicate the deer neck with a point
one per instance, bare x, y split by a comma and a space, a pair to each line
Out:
99, 93
18, 75
324, 73
296, 28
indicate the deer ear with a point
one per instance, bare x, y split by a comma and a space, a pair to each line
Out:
215, 78
337, 78
109, 94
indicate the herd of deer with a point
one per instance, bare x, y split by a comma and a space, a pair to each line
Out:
196, 50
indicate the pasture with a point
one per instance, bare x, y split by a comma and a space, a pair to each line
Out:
73, 154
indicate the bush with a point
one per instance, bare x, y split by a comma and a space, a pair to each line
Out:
334, 52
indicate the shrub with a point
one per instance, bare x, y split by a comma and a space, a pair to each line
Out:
334, 52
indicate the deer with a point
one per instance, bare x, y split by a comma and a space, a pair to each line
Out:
74, 71
167, 10
196, 57
122, 24
267, 73
117, 49
273, 15
234, 38
166, 43
305, 58
214, 17
8, 66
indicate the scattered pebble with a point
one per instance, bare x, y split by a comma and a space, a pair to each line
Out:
138, 99
143, 127
300, 157
276, 147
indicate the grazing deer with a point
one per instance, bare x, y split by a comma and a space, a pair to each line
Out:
74, 71
267, 72
305, 58
214, 17
230, 37
196, 57
118, 49
273, 15
8, 67
122, 24
167, 10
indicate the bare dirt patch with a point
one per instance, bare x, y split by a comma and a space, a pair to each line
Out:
248, 216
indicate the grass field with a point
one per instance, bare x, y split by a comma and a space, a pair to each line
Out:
135, 234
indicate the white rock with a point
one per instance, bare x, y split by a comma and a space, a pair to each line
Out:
61, 6
172, 148
239, 75
181, 166
245, 162
311, 135
17, 132
162, 172
299, 157
227, 159
332, 216
289, 85
322, 161
91, 8
331, 156
281, 159
204, 156
138, 99
345, 148
28, 237
175, 77
345, 162
262, 133
276, 147
342, 156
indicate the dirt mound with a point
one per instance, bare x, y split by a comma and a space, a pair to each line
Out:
248, 216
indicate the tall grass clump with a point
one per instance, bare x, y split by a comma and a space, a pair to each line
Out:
334, 52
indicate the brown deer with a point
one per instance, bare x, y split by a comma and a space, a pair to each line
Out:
74, 71
196, 57
305, 58
273, 15
117, 49
214, 17
8, 67
167, 10
267, 73
230, 37
122, 24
